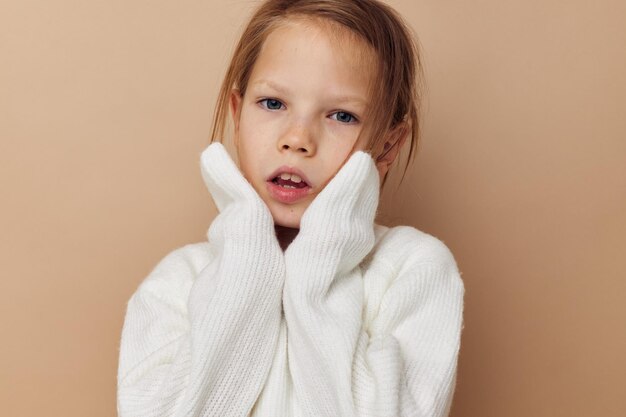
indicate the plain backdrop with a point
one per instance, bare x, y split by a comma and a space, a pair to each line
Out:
105, 108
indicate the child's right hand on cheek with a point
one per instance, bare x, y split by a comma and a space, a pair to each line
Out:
235, 301
242, 213
242, 234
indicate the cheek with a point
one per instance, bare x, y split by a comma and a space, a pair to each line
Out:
255, 137
248, 159
252, 148
344, 139
336, 156
254, 119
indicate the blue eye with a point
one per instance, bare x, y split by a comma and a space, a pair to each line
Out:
271, 104
345, 117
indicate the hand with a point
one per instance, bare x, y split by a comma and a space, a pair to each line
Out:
242, 235
323, 293
234, 306
241, 210
337, 229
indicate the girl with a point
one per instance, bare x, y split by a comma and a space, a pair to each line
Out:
299, 304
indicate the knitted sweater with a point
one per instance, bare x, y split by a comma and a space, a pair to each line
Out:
353, 319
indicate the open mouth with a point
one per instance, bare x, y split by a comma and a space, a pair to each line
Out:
290, 182
288, 187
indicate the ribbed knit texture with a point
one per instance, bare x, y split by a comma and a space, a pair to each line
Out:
371, 324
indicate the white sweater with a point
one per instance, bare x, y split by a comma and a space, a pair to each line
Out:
353, 319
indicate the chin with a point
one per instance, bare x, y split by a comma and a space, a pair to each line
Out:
294, 224
286, 217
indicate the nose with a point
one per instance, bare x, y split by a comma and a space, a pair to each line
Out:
300, 139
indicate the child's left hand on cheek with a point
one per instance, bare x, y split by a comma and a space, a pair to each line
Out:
323, 294
337, 229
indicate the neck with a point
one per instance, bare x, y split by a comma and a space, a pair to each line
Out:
285, 235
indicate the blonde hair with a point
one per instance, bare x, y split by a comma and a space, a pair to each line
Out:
399, 73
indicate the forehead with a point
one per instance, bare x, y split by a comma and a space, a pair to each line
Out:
323, 50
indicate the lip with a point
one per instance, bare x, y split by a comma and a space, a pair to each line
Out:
287, 195
289, 170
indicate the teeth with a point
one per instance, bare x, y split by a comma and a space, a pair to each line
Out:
295, 178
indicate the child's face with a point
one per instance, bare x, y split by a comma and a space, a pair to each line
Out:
303, 110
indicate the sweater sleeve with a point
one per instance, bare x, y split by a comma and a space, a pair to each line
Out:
405, 363
346, 360
207, 354
323, 292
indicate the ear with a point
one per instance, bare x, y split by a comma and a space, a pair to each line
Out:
394, 141
235, 102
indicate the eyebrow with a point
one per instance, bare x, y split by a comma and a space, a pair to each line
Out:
272, 85
285, 90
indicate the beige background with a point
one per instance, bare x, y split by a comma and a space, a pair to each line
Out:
105, 108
